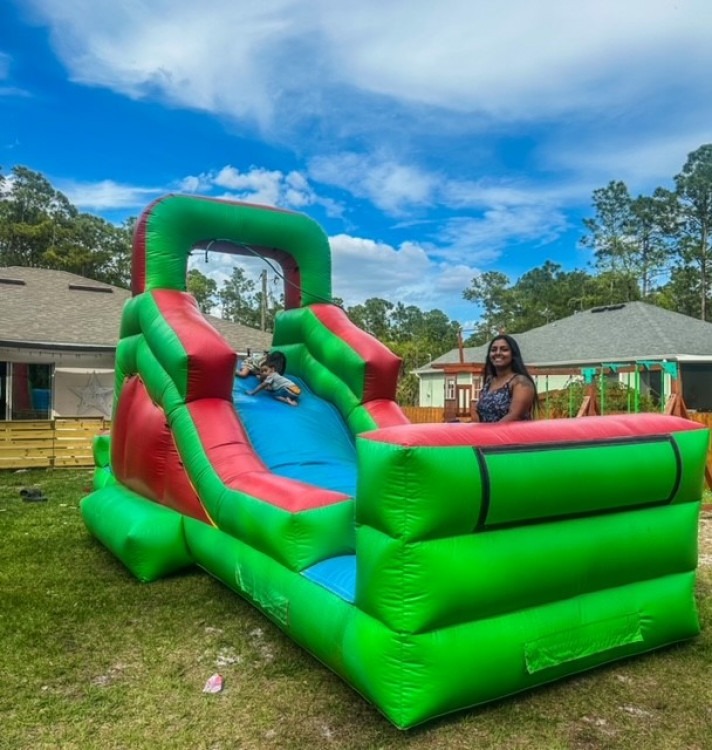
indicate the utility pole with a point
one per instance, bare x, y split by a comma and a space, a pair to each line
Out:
263, 301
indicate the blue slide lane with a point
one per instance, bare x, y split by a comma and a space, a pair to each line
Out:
309, 442
338, 574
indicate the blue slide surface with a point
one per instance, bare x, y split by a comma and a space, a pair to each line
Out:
309, 442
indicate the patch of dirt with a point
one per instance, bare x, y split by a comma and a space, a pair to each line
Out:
706, 539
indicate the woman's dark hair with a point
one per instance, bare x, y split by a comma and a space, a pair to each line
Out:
518, 365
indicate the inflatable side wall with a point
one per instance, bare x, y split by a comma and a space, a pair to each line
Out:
525, 553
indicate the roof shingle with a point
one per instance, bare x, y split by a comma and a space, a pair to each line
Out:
627, 332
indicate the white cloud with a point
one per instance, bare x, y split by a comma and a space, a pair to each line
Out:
256, 185
6, 185
289, 59
504, 207
107, 195
13, 91
487, 192
195, 184
388, 184
363, 268
9, 90
265, 187
297, 191
504, 212
215, 61
481, 240
639, 162
516, 59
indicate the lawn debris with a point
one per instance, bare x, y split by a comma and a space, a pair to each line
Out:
227, 657
214, 684
33, 495
636, 711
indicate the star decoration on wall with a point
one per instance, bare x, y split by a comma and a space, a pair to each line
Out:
94, 396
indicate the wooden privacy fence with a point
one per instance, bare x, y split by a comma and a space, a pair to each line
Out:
424, 414
39, 444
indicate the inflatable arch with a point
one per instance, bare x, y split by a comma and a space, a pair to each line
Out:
434, 567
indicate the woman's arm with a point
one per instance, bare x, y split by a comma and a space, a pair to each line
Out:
522, 400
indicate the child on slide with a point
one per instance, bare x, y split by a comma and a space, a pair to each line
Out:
278, 386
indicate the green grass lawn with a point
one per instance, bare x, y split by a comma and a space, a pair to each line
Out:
91, 658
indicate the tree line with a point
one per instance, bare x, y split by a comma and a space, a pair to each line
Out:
656, 248
40, 228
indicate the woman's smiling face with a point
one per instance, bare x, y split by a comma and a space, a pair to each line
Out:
500, 354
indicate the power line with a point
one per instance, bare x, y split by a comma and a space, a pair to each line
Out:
275, 270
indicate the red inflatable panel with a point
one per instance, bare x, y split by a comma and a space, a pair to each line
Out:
523, 433
211, 361
144, 455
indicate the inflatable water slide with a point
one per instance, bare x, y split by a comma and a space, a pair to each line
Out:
434, 567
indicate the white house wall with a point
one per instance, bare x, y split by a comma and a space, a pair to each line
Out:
82, 383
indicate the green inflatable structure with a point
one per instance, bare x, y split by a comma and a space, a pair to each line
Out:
434, 567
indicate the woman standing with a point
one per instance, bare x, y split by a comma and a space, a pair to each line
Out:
509, 393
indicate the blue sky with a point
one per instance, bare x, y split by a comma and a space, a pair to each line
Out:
432, 141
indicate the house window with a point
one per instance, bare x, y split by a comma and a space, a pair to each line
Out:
25, 390
450, 389
476, 387
464, 397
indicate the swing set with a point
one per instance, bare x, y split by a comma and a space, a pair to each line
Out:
595, 401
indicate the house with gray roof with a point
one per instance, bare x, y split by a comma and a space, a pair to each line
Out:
657, 344
58, 336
